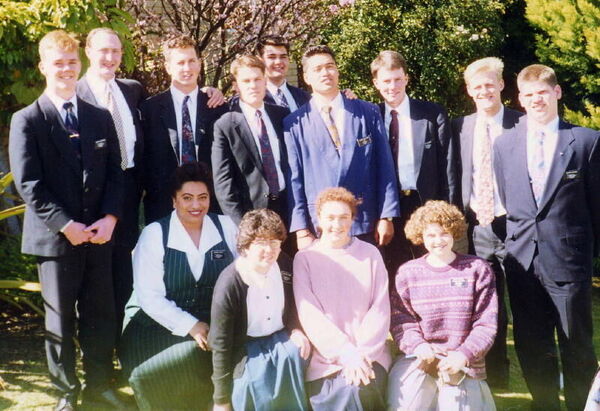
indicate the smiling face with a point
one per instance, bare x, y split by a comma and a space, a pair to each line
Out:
61, 69
540, 100
321, 74
277, 62
438, 241
262, 253
484, 88
252, 86
335, 221
105, 53
391, 84
183, 66
191, 202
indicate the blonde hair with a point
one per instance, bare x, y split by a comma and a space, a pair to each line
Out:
448, 216
99, 30
246, 60
340, 194
537, 72
390, 60
178, 42
58, 40
484, 65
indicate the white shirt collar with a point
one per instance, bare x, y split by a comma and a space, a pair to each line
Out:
178, 96
58, 102
179, 239
336, 104
273, 88
496, 119
549, 128
251, 277
249, 111
403, 109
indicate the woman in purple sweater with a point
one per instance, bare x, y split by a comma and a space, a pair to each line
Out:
444, 311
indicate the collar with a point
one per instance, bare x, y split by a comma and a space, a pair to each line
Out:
273, 88
496, 119
98, 85
178, 95
336, 104
58, 102
403, 109
180, 240
249, 111
549, 128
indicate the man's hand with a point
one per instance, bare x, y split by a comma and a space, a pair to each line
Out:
301, 342
222, 407
425, 355
454, 362
200, 333
384, 232
304, 238
349, 94
101, 231
76, 233
215, 97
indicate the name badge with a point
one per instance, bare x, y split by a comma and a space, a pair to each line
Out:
98, 144
286, 277
427, 145
571, 174
459, 282
363, 141
217, 254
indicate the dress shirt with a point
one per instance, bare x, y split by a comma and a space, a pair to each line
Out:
192, 104
265, 297
286, 92
148, 269
495, 123
550, 140
337, 112
98, 87
250, 114
407, 174
58, 102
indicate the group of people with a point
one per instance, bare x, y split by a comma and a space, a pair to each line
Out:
332, 224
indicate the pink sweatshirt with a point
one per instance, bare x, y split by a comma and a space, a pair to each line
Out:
343, 304
454, 308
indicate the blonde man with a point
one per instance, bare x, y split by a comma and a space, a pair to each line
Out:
548, 175
474, 136
64, 155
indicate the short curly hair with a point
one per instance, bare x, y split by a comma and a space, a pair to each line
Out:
260, 223
340, 194
448, 216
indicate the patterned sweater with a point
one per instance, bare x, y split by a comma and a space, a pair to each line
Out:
454, 308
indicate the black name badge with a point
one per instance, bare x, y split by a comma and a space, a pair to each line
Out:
459, 282
217, 254
98, 144
363, 141
571, 174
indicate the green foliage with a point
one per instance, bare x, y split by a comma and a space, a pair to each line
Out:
438, 38
569, 42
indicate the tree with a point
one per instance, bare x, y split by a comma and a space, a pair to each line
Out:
569, 42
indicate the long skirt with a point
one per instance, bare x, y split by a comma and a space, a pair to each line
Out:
273, 377
166, 372
412, 389
332, 393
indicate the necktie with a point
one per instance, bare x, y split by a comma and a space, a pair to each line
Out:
268, 161
485, 180
539, 168
188, 148
333, 131
72, 126
111, 105
394, 135
281, 100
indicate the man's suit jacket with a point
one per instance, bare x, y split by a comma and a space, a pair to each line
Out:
240, 184
364, 164
160, 147
300, 96
433, 154
463, 131
54, 184
565, 228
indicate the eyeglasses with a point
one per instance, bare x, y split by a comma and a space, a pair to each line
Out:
261, 242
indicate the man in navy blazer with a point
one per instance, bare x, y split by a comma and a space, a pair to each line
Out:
333, 141
65, 159
548, 174
418, 136
163, 124
486, 234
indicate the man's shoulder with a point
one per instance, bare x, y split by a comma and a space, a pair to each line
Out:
579, 132
157, 100
296, 117
130, 83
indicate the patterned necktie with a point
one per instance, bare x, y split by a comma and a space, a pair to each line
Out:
333, 131
485, 180
72, 126
268, 160
394, 135
539, 168
188, 148
281, 100
111, 105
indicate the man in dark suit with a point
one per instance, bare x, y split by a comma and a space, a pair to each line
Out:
333, 141
418, 133
474, 136
64, 154
178, 125
122, 98
249, 159
548, 174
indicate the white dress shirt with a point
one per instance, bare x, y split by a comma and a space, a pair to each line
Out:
98, 87
250, 114
265, 296
148, 269
286, 92
337, 112
407, 172
58, 102
495, 123
550, 140
192, 105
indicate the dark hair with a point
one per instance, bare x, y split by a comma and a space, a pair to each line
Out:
261, 223
277, 41
180, 41
314, 50
196, 172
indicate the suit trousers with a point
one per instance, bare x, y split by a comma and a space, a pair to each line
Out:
540, 308
488, 243
77, 288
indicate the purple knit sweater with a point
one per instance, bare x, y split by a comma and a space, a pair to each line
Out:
455, 308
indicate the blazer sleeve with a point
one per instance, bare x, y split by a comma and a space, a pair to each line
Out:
25, 164
297, 203
112, 203
498, 171
594, 192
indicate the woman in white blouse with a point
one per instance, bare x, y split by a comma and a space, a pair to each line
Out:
176, 263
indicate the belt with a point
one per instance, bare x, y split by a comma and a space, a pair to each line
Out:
271, 196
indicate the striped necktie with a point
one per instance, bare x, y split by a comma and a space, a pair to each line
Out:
281, 100
111, 105
188, 148
485, 179
539, 168
333, 131
266, 151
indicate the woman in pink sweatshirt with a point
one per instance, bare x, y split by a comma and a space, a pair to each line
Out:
341, 293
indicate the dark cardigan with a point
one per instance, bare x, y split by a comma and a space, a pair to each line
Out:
229, 324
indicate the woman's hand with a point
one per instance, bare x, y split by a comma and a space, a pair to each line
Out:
222, 407
200, 333
358, 371
454, 362
301, 342
425, 355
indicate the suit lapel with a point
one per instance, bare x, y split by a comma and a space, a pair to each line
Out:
352, 132
519, 170
419, 133
167, 114
202, 115
269, 98
128, 97
87, 136
242, 128
85, 92
467, 137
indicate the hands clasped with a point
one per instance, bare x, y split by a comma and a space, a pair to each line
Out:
98, 232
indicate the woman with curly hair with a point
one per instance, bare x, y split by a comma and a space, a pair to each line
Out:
444, 314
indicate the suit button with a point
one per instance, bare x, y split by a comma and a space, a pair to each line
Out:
85, 210
86, 190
